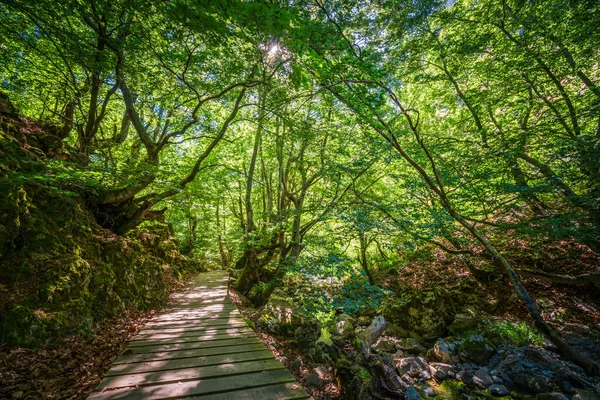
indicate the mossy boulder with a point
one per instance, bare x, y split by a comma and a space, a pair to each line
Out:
422, 315
60, 272
282, 317
476, 349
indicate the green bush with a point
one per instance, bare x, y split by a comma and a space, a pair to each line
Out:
517, 334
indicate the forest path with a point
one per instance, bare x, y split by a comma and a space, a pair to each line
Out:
199, 348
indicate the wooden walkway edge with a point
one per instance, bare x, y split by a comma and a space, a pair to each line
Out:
199, 348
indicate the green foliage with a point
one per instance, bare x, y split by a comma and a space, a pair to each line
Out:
516, 333
333, 141
357, 293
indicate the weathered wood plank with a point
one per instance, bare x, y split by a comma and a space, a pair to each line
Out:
199, 347
165, 365
198, 323
179, 308
157, 348
282, 391
172, 355
246, 332
206, 333
180, 375
203, 387
189, 317
201, 321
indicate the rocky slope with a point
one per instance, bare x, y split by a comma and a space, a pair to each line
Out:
426, 353
59, 270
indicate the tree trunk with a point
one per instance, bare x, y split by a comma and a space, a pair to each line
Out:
222, 253
362, 256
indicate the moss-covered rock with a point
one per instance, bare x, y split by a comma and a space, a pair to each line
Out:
59, 270
476, 349
281, 316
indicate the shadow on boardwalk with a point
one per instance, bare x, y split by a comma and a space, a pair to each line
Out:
200, 348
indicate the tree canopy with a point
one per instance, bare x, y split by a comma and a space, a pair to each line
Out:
271, 134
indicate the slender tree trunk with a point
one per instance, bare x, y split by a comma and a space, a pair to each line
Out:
222, 253
362, 256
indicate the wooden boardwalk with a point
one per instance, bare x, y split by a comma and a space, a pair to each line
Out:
199, 348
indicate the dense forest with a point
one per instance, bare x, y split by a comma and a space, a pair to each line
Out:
418, 181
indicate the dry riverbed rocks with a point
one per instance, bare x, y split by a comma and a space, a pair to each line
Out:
472, 366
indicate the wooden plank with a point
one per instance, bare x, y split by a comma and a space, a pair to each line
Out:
193, 308
199, 388
172, 355
197, 312
165, 365
216, 325
246, 332
213, 308
199, 347
188, 317
215, 297
178, 323
157, 348
281, 391
207, 332
192, 322
188, 325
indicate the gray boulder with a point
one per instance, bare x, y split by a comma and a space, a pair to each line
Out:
498, 390
532, 382
429, 391
482, 379
477, 349
411, 366
384, 345
441, 371
445, 352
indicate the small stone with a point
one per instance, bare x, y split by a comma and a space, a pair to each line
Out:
442, 352
498, 390
397, 356
322, 372
464, 376
441, 371
412, 394
482, 379
314, 380
425, 375
429, 391
344, 327
469, 366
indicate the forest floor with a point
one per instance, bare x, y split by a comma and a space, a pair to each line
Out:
304, 370
72, 367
